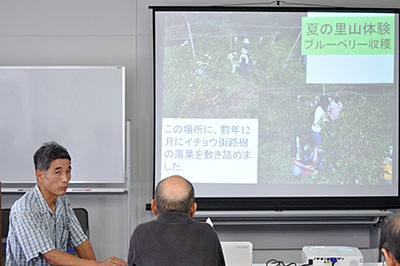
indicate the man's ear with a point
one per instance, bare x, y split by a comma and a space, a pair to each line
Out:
153, 207
193, 210
390, 260
39, 176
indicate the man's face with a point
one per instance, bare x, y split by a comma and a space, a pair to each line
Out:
55, 180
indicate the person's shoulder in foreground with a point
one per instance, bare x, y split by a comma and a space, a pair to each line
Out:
390, 239
42, 222
174, 238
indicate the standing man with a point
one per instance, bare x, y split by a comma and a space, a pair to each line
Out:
174, 238
42, 222
319, 117
390, 240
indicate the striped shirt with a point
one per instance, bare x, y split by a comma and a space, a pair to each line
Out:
35, 229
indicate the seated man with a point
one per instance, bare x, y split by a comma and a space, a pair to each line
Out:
174, 238
390, 240
42, 222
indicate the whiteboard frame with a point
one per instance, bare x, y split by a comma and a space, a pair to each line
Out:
19, 186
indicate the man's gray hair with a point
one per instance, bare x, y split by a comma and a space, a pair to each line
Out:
49, 152
390, 235
165, 204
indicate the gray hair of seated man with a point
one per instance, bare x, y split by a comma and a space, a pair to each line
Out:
49, 152
390, 235
165, 204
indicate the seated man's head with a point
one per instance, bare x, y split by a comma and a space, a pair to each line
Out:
174, 194
390, 240
53, 169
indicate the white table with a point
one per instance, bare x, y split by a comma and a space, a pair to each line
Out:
364, 264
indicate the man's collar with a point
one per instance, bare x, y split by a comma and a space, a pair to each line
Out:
173, 217
42, 203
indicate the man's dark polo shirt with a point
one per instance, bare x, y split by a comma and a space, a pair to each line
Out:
174, 239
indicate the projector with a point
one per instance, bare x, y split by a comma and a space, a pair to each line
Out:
332, 256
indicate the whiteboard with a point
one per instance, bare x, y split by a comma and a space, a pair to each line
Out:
81, 108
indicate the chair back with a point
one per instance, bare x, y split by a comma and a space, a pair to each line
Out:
83, 218
5, 214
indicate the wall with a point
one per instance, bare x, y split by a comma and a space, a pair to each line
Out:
79, 32
104, 32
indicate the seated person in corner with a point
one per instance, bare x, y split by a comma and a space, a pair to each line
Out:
42, 222
174, 238
305, 154
390, 240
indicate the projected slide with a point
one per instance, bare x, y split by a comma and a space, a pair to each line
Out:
272, 104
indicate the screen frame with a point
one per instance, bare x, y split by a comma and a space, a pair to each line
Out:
275, 203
